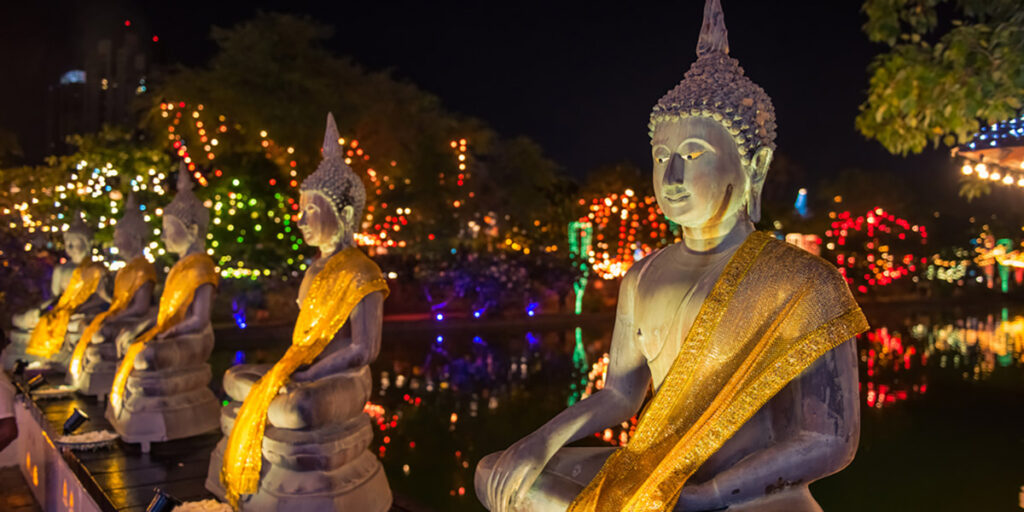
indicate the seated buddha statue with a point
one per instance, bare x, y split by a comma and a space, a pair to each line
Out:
47, 333
160, 390
747, 342
95, 357
295, 431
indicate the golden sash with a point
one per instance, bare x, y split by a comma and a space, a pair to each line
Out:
129, 279
48, 335
346, 279
185, 277
774, 311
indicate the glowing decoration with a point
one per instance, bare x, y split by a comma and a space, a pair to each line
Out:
581, 235
621, 225
801, 203
810, 243
874, 249
996, 153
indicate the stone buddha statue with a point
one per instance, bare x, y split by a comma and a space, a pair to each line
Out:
47, 333
295, 432
746, 341
160, 390
94, 359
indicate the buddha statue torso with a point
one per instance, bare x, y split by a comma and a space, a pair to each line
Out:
745, 340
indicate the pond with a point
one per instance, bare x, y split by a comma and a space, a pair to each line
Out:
942, 400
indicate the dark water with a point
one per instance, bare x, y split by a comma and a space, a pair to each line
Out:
942, 398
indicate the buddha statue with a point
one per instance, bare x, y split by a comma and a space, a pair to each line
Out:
295, 431
160, 390
46, 334
94, 359
747, 342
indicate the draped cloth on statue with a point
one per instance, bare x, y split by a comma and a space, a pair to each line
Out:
773, 311
48, 335
346, 279
129, 279
185, 277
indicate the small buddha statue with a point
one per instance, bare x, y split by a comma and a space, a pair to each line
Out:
746, 341
295, 431
95, 357
47, 333
160, 390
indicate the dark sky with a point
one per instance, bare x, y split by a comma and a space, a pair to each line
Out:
580, 78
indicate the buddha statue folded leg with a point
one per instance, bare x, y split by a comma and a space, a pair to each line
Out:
167, 394
96, 373
315, 443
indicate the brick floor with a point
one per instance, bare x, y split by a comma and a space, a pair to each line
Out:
15, 495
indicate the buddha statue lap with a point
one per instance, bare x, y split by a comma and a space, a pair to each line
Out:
296, 435
160, 390
747, 342
95, 357
46, 334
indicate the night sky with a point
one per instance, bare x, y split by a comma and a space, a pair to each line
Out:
580, 78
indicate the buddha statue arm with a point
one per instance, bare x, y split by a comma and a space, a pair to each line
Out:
139, 305
365, 320
816, 422
198, 316
626, 386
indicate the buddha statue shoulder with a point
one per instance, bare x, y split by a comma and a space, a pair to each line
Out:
295, 431
47, 333
746, 341
160, 390
94, 359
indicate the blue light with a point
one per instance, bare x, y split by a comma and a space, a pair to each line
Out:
239, 357
531, 309
439, 316
478, 340
142, 207
801, 202
75, 76
440, 339
531, 338
477, 313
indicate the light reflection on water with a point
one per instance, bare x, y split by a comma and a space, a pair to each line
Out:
443, 401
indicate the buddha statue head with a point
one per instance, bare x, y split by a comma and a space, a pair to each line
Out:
131, 232
332, 198
77, 239
712, 137
185, 219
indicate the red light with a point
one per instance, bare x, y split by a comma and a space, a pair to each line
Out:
156, 39
127, 23
273, 182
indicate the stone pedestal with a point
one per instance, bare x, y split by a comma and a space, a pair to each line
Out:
167, 395
326, 465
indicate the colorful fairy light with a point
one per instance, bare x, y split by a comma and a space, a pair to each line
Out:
624, 227
870, 249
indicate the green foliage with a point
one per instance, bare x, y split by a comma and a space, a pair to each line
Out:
936, 84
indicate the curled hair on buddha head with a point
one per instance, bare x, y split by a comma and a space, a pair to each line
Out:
186, 207
132, 223
716, 87
78, 227
335, 180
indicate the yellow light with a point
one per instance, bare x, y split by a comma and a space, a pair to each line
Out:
263, 133
967, 169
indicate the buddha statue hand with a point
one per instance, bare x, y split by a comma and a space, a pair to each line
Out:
515, 473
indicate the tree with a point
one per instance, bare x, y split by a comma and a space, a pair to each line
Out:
939, 79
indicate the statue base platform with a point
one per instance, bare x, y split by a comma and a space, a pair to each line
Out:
167, 395
327, 468
101, 359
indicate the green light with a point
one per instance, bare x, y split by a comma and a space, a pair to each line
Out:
258, 227
280, 236
252, 202
234, 182
295, 247
240, 239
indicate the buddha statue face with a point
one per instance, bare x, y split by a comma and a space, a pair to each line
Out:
178, 237
128, 245
76, 246
320, 226
699, 178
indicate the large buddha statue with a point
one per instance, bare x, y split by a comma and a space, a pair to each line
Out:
296, 433
47, 333
160, 390
94, 359
746, 341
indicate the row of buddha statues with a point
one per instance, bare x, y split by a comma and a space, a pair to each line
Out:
745, 341
294, 433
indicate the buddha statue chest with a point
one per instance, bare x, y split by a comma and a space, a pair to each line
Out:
671, 287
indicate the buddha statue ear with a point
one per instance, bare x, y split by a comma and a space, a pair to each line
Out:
758, 172
193, 232
346, 221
